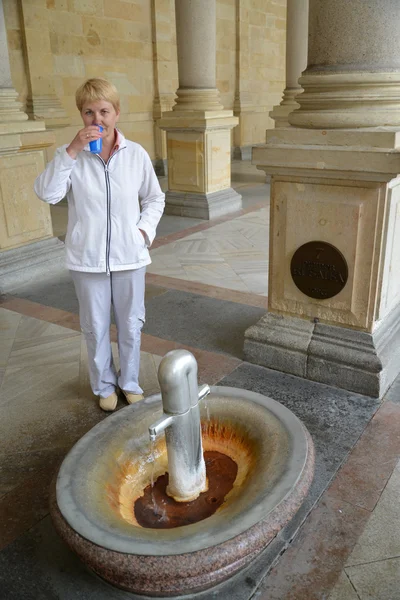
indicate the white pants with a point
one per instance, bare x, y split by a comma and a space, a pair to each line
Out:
96, 292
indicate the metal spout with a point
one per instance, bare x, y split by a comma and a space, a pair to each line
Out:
177, 375
160, 426
204, 390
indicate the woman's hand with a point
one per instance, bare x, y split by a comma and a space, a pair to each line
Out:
83, 137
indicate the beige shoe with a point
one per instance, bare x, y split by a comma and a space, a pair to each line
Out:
132, 398
110, 403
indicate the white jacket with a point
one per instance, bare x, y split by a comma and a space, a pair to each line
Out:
104, 214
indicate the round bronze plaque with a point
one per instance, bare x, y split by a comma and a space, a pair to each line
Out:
319, 270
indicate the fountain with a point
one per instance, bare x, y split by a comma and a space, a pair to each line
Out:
168, 515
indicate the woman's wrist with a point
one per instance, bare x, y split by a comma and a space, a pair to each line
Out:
72, 152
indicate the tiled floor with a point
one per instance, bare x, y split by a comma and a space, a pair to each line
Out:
372, 570
231, 255
207, 283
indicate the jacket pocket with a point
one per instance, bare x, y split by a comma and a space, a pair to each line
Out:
127, 245
141, 237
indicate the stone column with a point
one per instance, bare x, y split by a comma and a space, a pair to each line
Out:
27, 248
334, 306
196, 41
353, 73
198, 128
296, 59
43, 103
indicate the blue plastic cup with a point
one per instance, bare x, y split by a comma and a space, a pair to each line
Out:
97, 145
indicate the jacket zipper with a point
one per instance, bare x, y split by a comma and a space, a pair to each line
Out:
108, 192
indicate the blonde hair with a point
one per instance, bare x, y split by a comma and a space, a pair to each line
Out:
97, 89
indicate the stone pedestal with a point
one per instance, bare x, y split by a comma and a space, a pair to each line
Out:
199, 164
28, 250
339, 187
25, 217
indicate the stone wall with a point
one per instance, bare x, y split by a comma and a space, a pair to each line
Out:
55, 44
261, 39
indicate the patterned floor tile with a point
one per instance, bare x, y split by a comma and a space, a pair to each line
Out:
220, 255
9, 322
376, 581
344, 590
381, 538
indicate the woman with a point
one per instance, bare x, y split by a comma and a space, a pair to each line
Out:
108, 235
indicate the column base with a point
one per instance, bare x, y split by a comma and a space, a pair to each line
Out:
281, 112
346, 100
10, 107
31, 263
47, 108
202, 206
203, 99
353, 360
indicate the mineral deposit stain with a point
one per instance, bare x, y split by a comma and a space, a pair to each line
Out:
156, 510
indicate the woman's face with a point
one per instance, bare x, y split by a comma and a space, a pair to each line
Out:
101, 113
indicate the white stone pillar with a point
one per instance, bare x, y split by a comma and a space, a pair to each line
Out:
353, 73
334, 285
296, 59
27, 248
196, 42
198, 128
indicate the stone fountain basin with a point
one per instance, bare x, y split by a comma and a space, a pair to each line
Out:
107, 470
